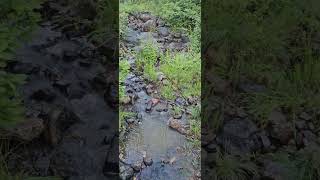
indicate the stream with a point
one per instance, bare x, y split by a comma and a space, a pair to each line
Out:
150, 149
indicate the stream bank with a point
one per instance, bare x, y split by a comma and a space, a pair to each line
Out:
69, 130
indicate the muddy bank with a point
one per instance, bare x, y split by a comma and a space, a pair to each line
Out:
69, 130
153, 147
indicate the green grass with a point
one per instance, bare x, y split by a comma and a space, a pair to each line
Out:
183, 70
229, 167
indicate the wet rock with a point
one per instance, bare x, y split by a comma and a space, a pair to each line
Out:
58, 50
26, 130
126, 172
180, 101
161, 107
163, 31
212, 148
177, 125
265, 141
275, 170
305, 116
130, 120
149, 106
239, 136
23, 68
281, 129
75, 91
309, 138
147, 160
85, 62
300, 124
149, 89
149, 25
136, 166
46, 94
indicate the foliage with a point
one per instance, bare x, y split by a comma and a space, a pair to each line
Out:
303, 165
146, 60
124, 68
17, 20
183, 70
272, 42
229, 167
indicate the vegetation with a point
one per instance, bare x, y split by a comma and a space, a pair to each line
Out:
17, 20
273, 43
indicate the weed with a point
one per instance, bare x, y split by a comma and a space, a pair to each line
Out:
229, 167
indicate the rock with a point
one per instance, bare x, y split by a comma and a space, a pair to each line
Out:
221, 86
155, 101
46, 94
239, 136
212, 148
177, 125
145, 17
149, 89
305, 116
65, 47
126, 100
161, 107
281, 129
300, 124
130, 120
149, 25
311, 126
75, 91
126, 172
251, 88
309, 138
163, 31
265, 141
275, 170
178, 115
136, 166
26, 130
149, 106
147, 160
160, 76
180, 101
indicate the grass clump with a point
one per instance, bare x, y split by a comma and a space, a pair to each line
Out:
147, 59
228, 167
17, 20
183, 70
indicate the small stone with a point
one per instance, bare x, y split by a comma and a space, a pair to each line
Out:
305, 116
149, 25
149, 106
147, 161
130, 121
145, 17
300, 124
311, 126
163, 31
136, 166
126, 100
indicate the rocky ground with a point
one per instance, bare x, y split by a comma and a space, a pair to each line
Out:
68, 129
154, 144
235, 132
